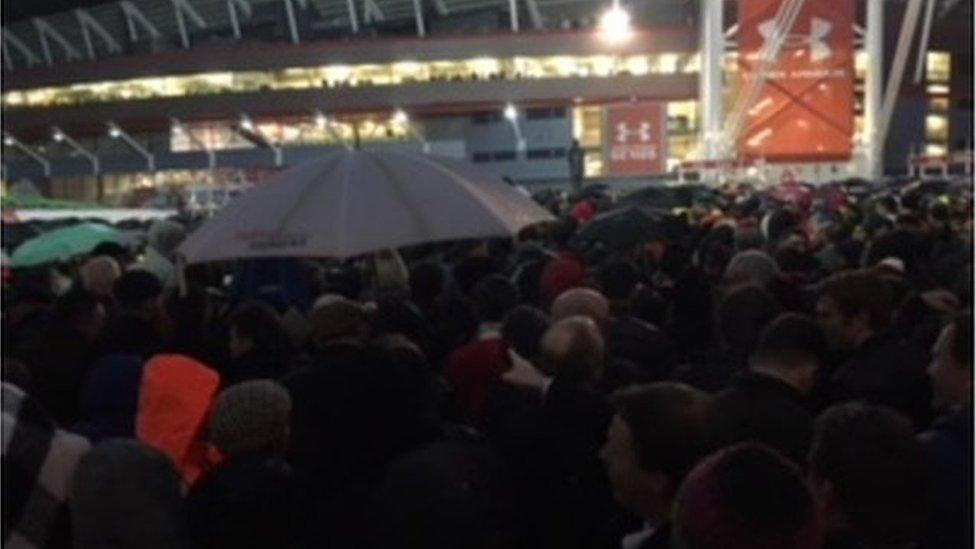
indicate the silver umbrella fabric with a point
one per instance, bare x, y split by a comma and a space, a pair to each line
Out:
358, 202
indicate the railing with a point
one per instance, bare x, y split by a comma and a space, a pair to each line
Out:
927, 166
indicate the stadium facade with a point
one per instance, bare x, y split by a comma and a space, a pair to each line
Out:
117, 101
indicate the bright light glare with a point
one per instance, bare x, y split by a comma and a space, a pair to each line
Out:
511, 112
58, 135
114, 132
8, 140
400, 117
321, 120
615, 25
246, 124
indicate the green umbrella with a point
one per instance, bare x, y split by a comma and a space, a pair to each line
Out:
62, 244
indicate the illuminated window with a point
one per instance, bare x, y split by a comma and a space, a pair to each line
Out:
938, 66
938, 89
939, 104
860, 65
682, 116
934, 149
342, 76
936, 127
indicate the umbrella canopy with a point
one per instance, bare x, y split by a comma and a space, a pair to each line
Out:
358, 202
660, 196
15, 234
62, 244
625, 227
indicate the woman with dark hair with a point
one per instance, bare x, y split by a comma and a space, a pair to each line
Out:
258, 344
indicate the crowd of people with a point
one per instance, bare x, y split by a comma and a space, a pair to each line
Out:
766, 370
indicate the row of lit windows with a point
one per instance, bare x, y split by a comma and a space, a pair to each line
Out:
938, 73
345, 76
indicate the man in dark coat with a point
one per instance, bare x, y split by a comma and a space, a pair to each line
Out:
948, 445
868, 476
135, 327
659, 431
59, 356
767, 403
552, 432
854, 310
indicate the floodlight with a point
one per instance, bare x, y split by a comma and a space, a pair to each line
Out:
113, 131
511, 113
246, 123
400, 117
57, 135
615, 24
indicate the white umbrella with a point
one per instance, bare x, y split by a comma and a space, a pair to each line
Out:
357, 202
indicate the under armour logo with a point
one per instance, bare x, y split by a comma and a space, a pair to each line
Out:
819, 30
624, 133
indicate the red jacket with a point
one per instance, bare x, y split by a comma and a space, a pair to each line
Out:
561, 274
174, 405
475, 371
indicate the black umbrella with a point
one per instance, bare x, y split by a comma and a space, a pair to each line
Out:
593, 191
14, 234
666, 198
625, 227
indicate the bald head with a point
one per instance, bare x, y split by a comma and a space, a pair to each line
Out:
573, 349
581, 302
98, 275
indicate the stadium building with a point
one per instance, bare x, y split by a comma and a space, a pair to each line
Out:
120, 101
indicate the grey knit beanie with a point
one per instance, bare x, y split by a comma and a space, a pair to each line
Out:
251, 417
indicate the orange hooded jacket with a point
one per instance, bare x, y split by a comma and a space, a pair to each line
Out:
174, 405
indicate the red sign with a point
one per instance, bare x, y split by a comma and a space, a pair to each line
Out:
635, 139
805, 110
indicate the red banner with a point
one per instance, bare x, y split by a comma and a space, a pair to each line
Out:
805, 110
635, 139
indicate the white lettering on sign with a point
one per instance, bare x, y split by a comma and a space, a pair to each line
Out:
623, 153
815, 41
642, 132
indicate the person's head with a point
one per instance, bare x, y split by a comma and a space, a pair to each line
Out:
951, 370
251, 418
444, 494
494, 296
792, 348
649, 305
523, 329
581, 302
426, 282
853, 306
751, 267
573, 349
746, 496
659, 431
868, 474
138, 292
126, 494
255, 326
617, 279
165, 236
742, 315
562, 230
82, 311
98, 275
114, 250
339, 319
